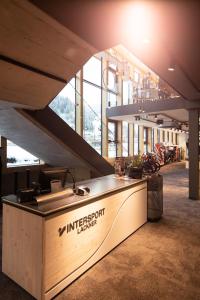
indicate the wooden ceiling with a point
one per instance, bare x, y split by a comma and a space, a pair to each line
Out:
38, 55
49, 41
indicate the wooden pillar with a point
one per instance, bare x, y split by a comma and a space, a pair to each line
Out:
119, 138
194, 154
149, 139
141, 139
166, 136
155, 135
79, 103
161, 135
170, 137
119, 124
104, 106
131, 139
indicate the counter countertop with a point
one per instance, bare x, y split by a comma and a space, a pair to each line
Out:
98, 187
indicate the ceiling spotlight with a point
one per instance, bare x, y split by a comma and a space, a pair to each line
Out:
137, 118
171, 69
171, 66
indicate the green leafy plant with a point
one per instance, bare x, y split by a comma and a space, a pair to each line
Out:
135, 163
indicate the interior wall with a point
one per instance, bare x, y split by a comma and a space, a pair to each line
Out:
182, 140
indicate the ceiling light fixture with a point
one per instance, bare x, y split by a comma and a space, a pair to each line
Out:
172, 66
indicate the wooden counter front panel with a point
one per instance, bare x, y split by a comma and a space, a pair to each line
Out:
22, 248
70, 254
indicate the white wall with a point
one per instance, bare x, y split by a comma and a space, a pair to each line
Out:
182, 139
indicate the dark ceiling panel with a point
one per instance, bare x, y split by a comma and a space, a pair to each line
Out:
176, 28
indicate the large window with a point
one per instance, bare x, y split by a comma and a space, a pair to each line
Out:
112, 139
92, 103
112, 86
92, 115
64, 105
112, 99
136, 139
127, 92
125, 138
92, 71
16, 156
112, 80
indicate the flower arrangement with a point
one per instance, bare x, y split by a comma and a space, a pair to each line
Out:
135, 168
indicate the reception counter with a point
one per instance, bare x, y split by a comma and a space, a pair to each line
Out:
47, 245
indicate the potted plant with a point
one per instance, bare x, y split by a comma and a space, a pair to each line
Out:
135, 168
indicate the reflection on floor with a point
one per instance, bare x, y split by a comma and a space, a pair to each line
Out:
160, 261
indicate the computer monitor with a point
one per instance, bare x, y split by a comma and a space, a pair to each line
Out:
47, 175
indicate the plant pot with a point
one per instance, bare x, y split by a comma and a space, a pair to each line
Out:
135, 172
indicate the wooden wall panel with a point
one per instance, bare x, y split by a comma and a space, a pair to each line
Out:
22, 248
67, 253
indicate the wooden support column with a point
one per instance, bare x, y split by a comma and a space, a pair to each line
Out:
150, 139
166, 136
119, 138
119, 124
155, 135
79, 103
170, 137
141, 139
174, 138
131, 139
104, 106
194, 154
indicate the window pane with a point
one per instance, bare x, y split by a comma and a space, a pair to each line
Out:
112, 146
112, 80
136, 139
130, 92
112, 99
92, 115
125, 139
125, 92
64, 104
17, 156
136, 76
92, 71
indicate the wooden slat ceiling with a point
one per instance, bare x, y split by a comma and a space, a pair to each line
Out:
32, 38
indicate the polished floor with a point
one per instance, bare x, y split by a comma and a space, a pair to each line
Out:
160, 261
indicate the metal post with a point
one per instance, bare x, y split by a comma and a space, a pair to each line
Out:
194, 154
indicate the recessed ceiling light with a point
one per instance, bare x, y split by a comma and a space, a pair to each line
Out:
171, 66
171, 69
